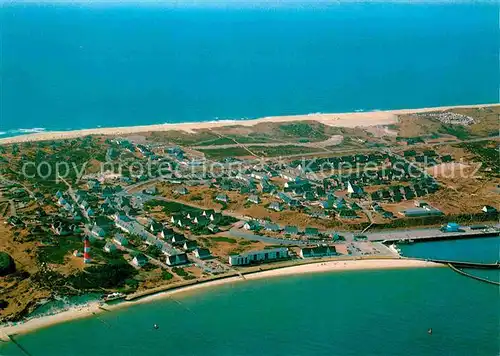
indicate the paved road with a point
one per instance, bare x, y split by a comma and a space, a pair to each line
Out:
388, 235
242, 234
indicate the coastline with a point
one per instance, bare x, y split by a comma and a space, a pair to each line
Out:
93, 309
352, 119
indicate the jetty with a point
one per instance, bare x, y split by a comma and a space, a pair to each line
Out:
473, 276
462, 264
425, 235
19, 346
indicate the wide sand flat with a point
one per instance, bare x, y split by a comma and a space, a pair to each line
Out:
356, 119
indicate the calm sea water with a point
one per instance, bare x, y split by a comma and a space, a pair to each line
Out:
350, 313
70, 67
482, 250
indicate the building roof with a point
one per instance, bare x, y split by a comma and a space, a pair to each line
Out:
270, 250
415, 212
311, 231
289, 229
203, 252
141, 258
319, 251
272, 227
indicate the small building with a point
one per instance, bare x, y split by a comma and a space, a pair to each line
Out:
326, 204
120, 240
90, 212
291, 230
489, 209
255, 257
223, 198
167, 233
272, 227
275, 206
311, 232
189, 245
98, 232
421, 212
252, 225
254, 199
181, 191
177, 259
318, 251
213, 228
110, 247
178, 239
347, 214
155, 227
451, 227
202, 253
151, 191
140, 260
201, 220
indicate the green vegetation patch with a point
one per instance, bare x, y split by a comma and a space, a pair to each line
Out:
7, 264
220, 153
486, 153
284, 150
166, 275
223, 239
56, 253
304, 130
111, 275
459, 131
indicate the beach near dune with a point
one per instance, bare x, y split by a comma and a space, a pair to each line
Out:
95, 308
354, 119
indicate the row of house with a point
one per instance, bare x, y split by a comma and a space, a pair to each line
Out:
256, 257
255, 225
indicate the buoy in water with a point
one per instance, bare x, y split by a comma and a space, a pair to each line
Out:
156, 326
429, 331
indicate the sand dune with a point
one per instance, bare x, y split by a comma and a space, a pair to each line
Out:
356, 119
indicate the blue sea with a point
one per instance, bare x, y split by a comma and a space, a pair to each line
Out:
72, 66
386, 313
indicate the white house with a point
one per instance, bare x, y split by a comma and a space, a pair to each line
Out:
258, 256
110, 247
140, 260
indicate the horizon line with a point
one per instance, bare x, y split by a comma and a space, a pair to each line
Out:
240, 3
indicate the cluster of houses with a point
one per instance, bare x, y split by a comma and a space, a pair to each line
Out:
429, 157
288, 230
398, 193
193, 219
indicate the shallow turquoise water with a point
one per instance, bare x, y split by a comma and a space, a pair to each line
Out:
70, 67
348, 313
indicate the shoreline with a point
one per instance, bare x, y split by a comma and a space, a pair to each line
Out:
352, 119
94, 309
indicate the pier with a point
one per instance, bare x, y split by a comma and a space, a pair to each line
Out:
472, 276
425, 235
19, 346
462, 264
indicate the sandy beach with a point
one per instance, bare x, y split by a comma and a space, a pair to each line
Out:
91, 309
355, 119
